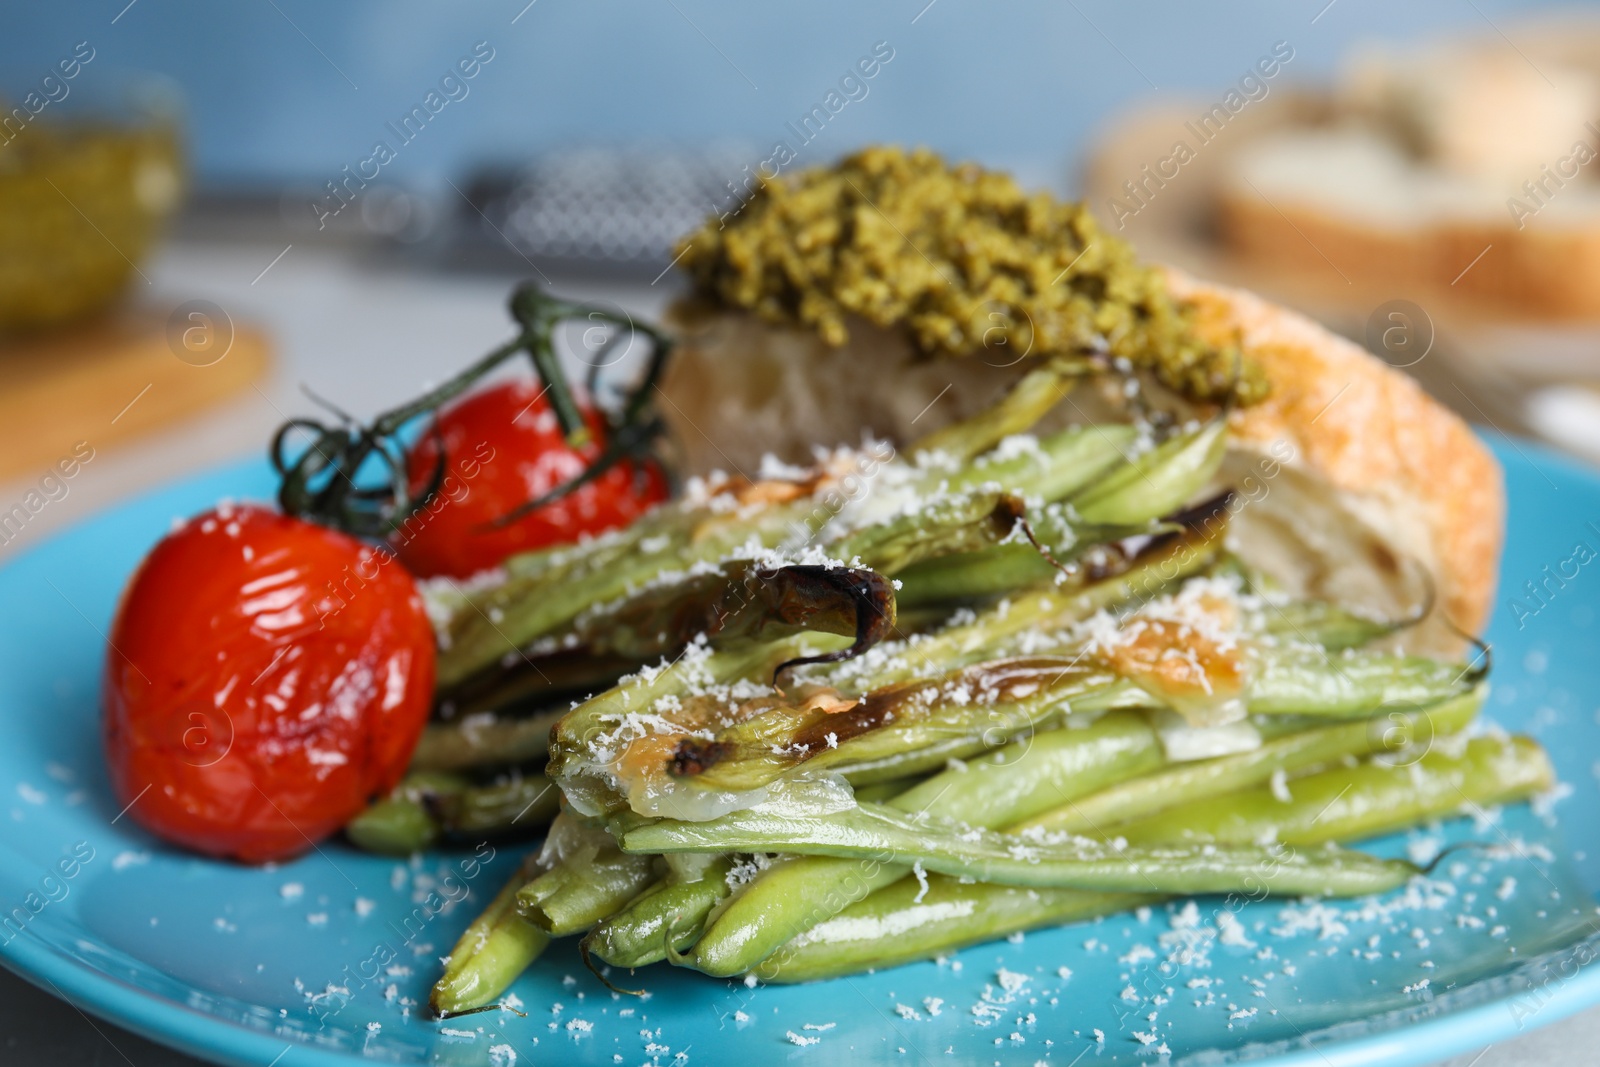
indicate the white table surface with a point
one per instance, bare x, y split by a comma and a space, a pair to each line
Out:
366, 335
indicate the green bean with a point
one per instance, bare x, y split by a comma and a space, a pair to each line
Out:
403, 822
968, 576
543, 595
1182, 784
1161, 566
1012, 568
887, 789
900, 730
581, 891
978, 505
945, 524
1333, 627
428, 806
874, 831
529, 685
907, 922
741, 600
491, 953
1157, 482
968, 511
1058, 466
1346, 803
1028, 400
668, 915
565, 561
483, 739
1028, 776
791, 896
535, 602
393, 827
517, 804
1051, 554
1299, 681
788, 898
1115, 507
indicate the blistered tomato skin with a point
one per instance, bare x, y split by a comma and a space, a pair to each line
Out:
266, 677
503, 447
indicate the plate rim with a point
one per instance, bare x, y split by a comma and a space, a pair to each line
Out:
216, 1039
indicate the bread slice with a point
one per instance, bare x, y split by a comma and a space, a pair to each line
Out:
1459, 173
1375, 474
1350, 477
1345, 204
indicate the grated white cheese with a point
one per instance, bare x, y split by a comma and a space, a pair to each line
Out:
922, 882
1280, 787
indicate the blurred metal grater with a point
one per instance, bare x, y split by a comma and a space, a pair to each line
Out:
602, 210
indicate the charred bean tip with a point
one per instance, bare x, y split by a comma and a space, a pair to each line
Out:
869, 593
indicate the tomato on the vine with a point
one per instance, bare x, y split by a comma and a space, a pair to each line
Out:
266, 678
502, 448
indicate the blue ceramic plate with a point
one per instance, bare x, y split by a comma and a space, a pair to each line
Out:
324, 960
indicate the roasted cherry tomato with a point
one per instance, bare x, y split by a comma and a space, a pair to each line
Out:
503, 447
266, 678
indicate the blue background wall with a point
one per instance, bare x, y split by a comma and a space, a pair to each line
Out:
295, 89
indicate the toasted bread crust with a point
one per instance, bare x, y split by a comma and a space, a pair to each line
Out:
1532, 272
1407, 465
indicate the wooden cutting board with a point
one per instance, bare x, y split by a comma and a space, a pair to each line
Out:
127, 374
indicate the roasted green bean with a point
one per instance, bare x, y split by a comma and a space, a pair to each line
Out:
1347, 803
1295, 680
574, 896
484, 739
491, 953
585, 878
910, 921
1156, 482
877, 832
1024, 404
667, 917
428, 806
1181, 784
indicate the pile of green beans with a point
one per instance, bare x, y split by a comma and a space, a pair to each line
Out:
1102, 496
831, 886
770, 801
1340, 803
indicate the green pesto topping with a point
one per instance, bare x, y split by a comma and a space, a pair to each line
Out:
962, 258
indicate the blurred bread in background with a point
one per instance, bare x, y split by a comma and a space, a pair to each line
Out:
1425, 158
1473, 109
1437, 201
